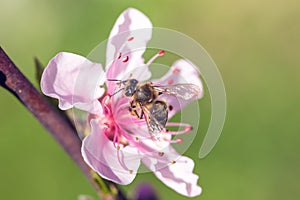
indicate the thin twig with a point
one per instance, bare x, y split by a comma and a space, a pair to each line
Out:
57, 125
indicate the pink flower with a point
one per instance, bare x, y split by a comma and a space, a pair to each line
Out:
119, 142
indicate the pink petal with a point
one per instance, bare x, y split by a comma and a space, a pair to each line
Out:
126, 45
178, 176
101, 155
74, 81
181, 72
130, 124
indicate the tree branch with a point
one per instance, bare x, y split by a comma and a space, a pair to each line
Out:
16, 83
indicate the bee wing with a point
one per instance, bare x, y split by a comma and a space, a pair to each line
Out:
183, 91
154, 127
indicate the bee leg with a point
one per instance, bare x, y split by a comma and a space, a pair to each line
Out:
142, 111
136, 114
132, 110
142, 115
132, 105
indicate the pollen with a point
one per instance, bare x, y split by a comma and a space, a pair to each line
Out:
161, 154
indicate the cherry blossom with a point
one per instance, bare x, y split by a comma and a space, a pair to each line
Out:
118, 141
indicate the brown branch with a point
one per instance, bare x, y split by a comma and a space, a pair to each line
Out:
58, 125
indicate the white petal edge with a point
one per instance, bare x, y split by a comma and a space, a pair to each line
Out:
125, 47
178, 176
101, 155
74, 81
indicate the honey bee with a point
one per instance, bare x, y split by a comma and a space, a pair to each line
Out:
145, 102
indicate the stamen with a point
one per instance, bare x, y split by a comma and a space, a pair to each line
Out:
173, 162
130, 171
186, 128
121, 161
159, 54
115, 140
176, 141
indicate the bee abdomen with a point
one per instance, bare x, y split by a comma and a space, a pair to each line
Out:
159, 112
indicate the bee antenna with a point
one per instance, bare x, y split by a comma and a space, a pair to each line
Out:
114, 80
117, 80
117, 92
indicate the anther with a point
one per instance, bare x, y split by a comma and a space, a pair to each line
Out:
120, 55
171, 81
130, 39
161, 53
125, 59
106, 125
130, 171
188, 129
118, 147
161, 154
179, 140
173, 162
176, 71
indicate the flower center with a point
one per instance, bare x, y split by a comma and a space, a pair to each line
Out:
111, 128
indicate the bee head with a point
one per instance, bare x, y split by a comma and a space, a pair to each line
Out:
130, 87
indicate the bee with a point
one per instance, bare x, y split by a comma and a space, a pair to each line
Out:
145, 102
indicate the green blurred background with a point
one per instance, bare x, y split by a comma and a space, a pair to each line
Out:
256, 47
